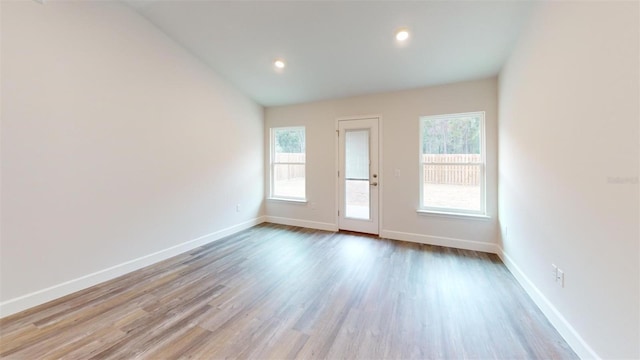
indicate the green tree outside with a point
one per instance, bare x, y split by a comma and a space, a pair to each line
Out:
451, 136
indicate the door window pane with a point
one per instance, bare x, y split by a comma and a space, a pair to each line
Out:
357, 189
357, 198
357, 154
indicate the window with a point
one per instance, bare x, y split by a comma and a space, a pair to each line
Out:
452, 163
288, 163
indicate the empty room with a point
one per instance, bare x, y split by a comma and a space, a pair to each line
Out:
195, 179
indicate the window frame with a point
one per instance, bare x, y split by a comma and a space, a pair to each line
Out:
273, 163
483, 165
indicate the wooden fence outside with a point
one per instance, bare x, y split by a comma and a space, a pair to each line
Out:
453, 174
286, 172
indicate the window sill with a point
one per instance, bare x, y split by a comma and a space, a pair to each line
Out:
452, 215
285, 200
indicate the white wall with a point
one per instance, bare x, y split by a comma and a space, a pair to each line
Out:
116, 144
400, 112
569, 115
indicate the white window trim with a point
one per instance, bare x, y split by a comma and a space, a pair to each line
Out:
272, 163
288, 200
453, 215
452, 212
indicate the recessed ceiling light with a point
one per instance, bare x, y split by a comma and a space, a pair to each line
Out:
402, 34
279, 64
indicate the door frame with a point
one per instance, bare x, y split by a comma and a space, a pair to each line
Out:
337, 167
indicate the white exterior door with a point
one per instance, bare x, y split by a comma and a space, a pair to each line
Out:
358, 175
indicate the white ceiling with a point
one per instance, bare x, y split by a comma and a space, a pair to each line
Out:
340, 48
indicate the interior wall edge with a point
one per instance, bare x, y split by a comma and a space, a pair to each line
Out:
559, 322
42, 296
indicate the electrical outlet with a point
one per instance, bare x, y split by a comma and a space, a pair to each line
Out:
506, 231
238, 208
554, 272
396, 172
313, 205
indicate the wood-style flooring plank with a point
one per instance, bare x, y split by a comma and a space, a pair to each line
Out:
281, 292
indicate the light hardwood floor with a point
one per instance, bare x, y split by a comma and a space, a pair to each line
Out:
284, 292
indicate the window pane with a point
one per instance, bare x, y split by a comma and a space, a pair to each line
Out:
452, 187
288, 180
452, 157
289, 158
289, 145
445, 135
288, 163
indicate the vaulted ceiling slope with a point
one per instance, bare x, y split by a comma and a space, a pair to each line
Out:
336, 49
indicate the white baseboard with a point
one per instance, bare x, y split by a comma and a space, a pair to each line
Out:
302, 223
35, 298
570, 335
440, 241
